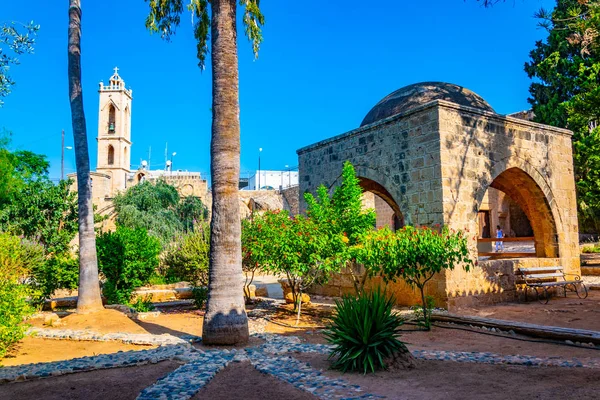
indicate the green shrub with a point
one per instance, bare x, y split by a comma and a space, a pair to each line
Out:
17, 257
591, 248
364, 333
143, 304
187, 259
200, 294
60, 272
127, 258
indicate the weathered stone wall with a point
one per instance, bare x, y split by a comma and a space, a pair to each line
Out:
530, 162
291, 199
402, 154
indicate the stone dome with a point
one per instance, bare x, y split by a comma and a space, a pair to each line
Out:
418, 94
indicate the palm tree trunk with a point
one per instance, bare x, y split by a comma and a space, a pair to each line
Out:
89, 287
225, 321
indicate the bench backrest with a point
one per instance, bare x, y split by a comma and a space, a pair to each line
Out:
541, 273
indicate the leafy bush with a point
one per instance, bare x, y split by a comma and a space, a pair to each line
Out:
143, 304
17, 257
364, 333
187, 259
61, 272
127, 258
200, 294
591, 249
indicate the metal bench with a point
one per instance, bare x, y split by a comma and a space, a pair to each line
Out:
543, 278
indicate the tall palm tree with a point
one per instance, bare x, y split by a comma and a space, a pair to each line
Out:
89, 299
225, 321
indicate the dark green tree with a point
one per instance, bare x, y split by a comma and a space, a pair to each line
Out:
565, 91
158, 209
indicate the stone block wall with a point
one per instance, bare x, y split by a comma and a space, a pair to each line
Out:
402, 154
530, 162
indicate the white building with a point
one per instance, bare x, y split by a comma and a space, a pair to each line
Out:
277, 180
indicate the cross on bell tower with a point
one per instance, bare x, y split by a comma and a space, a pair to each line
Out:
114, 132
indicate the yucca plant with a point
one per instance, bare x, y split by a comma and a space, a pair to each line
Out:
364, 332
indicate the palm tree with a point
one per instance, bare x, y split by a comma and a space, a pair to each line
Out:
89, 299
225, 321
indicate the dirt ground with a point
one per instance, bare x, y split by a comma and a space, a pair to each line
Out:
434, 380
108, 321
243, 381
570, 312
114, 384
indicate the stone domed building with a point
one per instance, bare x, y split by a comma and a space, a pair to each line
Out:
437, 153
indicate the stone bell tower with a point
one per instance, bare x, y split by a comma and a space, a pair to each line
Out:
114, 132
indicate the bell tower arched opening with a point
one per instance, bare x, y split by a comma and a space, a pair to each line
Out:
110, 160
112, 119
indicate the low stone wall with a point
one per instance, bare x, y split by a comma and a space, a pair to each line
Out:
490, 282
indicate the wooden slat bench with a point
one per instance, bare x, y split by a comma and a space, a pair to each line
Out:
543, 278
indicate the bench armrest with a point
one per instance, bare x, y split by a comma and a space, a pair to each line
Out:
577, 277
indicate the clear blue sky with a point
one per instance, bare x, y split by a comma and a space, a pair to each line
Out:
322, 66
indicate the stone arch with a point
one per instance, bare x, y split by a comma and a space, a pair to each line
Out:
525, 186
124, 162
140, 177
110, 158
376, 188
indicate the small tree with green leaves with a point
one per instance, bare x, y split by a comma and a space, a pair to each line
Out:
254, 250
294, 247
417, 254
374, 249
343, 214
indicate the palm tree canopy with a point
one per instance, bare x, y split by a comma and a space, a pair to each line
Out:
165, 17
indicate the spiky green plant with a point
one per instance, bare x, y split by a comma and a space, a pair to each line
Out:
364, 332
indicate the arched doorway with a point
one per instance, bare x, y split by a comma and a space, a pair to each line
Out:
379, 198
516, 203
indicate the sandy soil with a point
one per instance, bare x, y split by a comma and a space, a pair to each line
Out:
179, 322
104, 321
176, 323
570, 312
33, 350
113, 384
243, 381
446, 380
